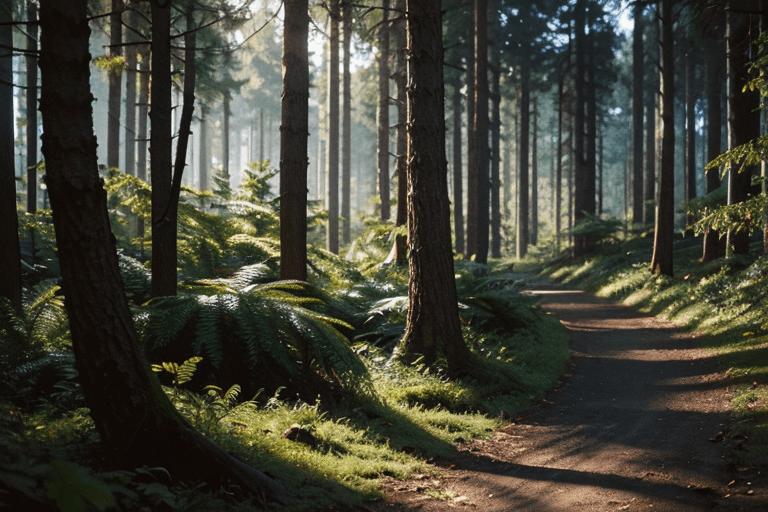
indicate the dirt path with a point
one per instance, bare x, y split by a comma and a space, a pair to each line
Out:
634, 427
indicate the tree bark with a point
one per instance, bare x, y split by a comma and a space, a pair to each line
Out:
133, 417
638, 83
661, 262
401, 79
115, 78
495, 183
584, 179
472, 194
226, 113
163, 232
650, 131
458, 185
432, 327
382, 117
534, 230
31, 99
131, 53
559, 164
714, 245
346, 127
690, 126
143, 116
10, 258
743, 110
332, 238
294, 135
480, 129
523, 145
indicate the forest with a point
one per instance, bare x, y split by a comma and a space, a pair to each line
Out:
383, 255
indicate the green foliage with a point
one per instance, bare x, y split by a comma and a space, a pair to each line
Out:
598, 229
264, 336
747, 216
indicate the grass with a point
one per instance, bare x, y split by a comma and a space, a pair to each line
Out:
415, 416
724, 300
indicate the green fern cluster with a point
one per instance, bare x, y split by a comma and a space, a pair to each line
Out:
262, 336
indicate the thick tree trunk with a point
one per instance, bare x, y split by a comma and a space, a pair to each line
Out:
10, 259
743, 110
495, 183
534, 232
650, 131
294, 133
382, 115
480, 129
661, 262
590, 199
401, 79
163, 232
115, 78
432, 325
458, 186
31, 99
638, 83
559, 163
523, 145
134, 418
131, 53
346, 127
581, 245
714, 245
332, 237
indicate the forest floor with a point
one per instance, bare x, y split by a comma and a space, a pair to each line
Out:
641, 422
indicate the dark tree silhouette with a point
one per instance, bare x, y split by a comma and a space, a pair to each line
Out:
115, 78
382, 114
332, 236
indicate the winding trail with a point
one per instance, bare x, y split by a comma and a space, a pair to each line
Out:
635, 426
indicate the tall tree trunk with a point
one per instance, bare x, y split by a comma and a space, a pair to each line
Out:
332, 237
10, 258
346, 127
31, 99
115, 78
432, 326
600, 169
764, 163
559, 164
523, 145
480, 129
661, 262
131, 53
534, 233
714, 245
141, 134
591, 137
382, 117
651, 158
743, 110
690, 127
638, 84
401, 82
495, 184
458, 186
261, 135
226, 112
163, 232
133, 417
204, 161
472, 194
581, 244
294, 133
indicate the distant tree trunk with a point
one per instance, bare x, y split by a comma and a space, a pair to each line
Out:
382, 117
294, 134
743, 110
226, 112
590, 199
332, 239
261, 135
581, 243
131, 53
346, 127
458, 192
143, 116
600, 169
472, 193
638, 84
559, 164
432, 327
534, 233
509, 140
31, 99
480, 129
523, 145
714, 245
661, 262
401, 79
133, 417
115, 76
10, 259
163, 232
690, 128
650, 133
495, 184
